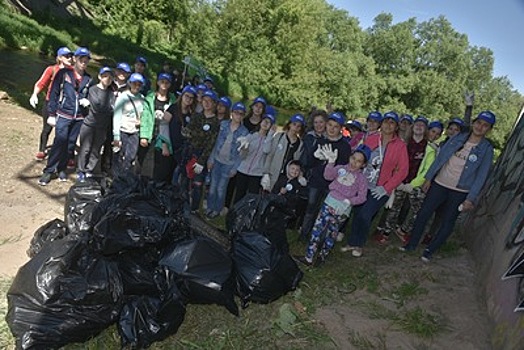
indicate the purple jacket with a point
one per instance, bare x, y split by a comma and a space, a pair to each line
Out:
346, 184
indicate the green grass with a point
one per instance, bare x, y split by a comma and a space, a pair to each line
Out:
6, 339
422, 323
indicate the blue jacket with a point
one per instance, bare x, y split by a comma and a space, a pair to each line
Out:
224, 131
477, 165
65, 93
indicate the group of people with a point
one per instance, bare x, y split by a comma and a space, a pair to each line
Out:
333, 173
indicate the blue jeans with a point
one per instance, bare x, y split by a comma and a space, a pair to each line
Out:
448, 201
217, 189
66, 133
362, 218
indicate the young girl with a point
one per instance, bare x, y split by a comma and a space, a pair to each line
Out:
223, 108
347, 189
254, 117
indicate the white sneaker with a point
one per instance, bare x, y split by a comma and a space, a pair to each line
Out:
357, 252
347, 248
224, 211
340, 236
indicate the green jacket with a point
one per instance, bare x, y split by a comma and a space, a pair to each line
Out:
429, 157
147, 121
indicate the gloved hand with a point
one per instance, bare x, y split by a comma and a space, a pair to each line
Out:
198, 168
244, 143
84, 102
51, 121
389, 203
331, 155
33, 100
265, 182
469, 98
408, 188
159, 115
319, 153
378, 192
302, 181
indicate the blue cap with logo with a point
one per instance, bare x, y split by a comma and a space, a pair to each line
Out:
436, 124
365, 150
338, 117
201, 87
376, 116
298, 118
239, 106
164, 76
271, 110
105, 70
271, 118
137, 77
226, 101
487, 116
259, 99
124, 66
458, 121
407, 117
63, 51
391, 115
82, 52
354, 124
211, 94
142, 60
188, 89
422, 119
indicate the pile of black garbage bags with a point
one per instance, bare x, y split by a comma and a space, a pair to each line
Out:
127, 254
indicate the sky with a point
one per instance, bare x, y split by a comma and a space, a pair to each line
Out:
493, 24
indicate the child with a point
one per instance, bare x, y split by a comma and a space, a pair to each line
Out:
94, 130
348, 188
291, 185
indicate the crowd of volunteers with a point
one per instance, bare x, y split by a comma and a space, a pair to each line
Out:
335, 174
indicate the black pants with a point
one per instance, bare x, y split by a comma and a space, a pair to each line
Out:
91, 141
245, 184
46, 129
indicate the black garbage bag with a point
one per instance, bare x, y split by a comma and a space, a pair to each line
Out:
200, 227
146, 319
137, 269
202, 270
263, 272
80, 201
53, 230
62, 295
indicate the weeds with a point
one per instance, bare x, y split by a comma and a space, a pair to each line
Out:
419, 322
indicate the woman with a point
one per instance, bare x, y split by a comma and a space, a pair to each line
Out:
64, 58
155, 153
225, 158
254, 117
223, 108
453, 182
386, 169
284, 147
312, 139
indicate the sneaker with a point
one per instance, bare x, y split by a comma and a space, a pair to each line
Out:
44, 179
340, 236
404, 237
71, 164
357, 252
88, 175
381, 239
426, 256
347, 248
80, 177
40, 155
62, 176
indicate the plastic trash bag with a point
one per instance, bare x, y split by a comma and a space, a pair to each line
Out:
146, 319
200, 227
80, 200
53, 230
137, 269
263, 272
202, 270
62, 295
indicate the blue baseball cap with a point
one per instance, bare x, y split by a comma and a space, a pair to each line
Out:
487, 116
436, 124
298, 118
271, 110
82, 52
406, 117
124, 66
137, 77
141, 59
239, 106
365, 150
457, 121
188, 89
391, 115
63, 51
164, 76
226, 101
338, 117
354, 124
259, 99
105, 70
376, 116
271, 118
201, 87
211, 94
208, 78
422, 119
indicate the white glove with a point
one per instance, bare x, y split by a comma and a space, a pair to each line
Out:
265, 182
84, 102
198, 168
319, 153
33, 100
408, 188
159, 114
331, 155
378, 192
389, 203
51, 121
244, 143
302, 181
469, 98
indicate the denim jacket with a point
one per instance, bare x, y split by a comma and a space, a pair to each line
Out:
477, 165
221, 139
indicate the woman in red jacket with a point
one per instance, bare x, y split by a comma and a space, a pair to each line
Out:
386, 169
